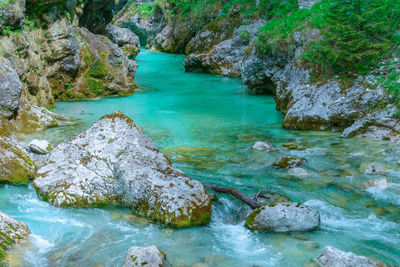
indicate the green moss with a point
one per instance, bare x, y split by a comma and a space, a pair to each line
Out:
98, 69
95, 85
17, 170
250, 219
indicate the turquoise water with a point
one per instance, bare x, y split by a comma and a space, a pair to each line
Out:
207, 125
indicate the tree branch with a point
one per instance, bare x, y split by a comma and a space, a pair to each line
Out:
225, 190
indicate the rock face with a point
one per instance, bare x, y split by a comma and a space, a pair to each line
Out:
11, 232
40, 146
226, 56
12, 14
98, 68
307, 3
113, 162
283, 217
146, 28
15, 166
125, 39
144, 256
333, 257
10, 90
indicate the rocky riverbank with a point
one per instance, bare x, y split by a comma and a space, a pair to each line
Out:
228, 44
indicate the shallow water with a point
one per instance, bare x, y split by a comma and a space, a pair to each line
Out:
207, 125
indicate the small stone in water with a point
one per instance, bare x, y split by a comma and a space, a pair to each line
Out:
377, 183
259, 145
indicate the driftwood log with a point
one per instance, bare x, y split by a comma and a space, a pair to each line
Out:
252, 202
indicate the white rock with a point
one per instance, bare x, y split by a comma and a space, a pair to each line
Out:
40, 146
259, 145
283, 217
298, 172
10, 229
144, 256
115, 163
377, 183
333, 257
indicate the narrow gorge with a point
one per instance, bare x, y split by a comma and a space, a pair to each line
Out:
199, 133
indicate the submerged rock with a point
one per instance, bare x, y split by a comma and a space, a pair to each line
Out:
271, 198
333, 257
259, 145
288, 162
40, 146
150, 256
374, 168
298, 172
125, 39
11, 232
377, 183
114, 162
283, 217
15, 166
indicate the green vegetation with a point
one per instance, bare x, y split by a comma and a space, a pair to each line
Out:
355, 35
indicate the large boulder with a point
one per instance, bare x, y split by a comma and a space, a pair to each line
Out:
333, 257
114, 162
150, 256
87, 65
10, 89
125, 39
11, 232
15, 166
283, 217
221, 46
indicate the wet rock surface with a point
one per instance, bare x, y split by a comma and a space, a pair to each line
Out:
15, 166
113, 162
262, 145
286, 162
11, 232
40, 146
125, 39
283, 217
150, 256
333, 257
10, 89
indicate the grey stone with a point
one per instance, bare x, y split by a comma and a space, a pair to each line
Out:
262, 145
125, 39
307, 3
11, 232
283, 217
12, 13
10, 90
150, 256
333, 257
113, 162
40, 146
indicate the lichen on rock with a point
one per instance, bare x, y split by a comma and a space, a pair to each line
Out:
115, 163
150, 256
15, 166
283, 217
11, 231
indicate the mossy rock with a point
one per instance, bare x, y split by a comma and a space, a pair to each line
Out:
15, 166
